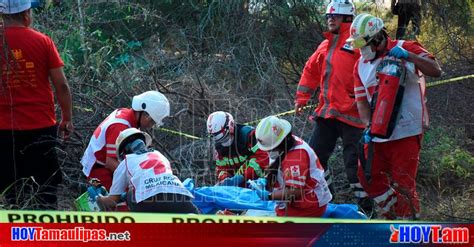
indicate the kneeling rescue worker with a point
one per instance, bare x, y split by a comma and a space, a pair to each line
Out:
147, 173
237, 155
99, 160
296, 178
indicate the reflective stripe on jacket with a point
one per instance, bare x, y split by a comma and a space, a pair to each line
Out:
330, 68
248, 160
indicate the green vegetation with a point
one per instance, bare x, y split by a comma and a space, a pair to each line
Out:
443, 160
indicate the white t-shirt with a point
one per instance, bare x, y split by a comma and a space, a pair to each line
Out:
146, 174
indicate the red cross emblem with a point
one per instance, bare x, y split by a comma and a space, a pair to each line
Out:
276, 130
371, 24
332, 9
99, 129
97, 132
353, 31
153, 161
295, 169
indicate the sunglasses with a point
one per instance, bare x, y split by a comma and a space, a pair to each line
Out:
333, 16
362, 42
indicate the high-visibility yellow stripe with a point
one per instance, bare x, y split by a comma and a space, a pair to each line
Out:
255, 166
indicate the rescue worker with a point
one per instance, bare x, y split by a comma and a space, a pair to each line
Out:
296, 178
330, 69
389, 173
407, 10
237, 155
148, 175
100, 160
30, 66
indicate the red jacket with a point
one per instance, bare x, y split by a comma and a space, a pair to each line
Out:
330, 68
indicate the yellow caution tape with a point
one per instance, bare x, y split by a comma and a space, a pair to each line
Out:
436, 83
180, 133
430, 84
281, 114
24, 216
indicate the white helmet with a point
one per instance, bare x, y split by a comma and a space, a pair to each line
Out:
154, 103
271, 131
220, 126
127, 136
9, 7
363, 29
341, 7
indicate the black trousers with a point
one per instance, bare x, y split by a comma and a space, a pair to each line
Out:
30, 171
324, 139
163, 203
407, 12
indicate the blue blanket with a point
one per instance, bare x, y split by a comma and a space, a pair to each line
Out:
211, 199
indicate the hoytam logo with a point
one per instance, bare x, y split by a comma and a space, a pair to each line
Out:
429, 234
74, 234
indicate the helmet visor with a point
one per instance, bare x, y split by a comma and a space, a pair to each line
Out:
359, 43
220, 137
333, 16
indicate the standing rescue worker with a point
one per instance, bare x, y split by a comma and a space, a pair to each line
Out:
100, 159
296, 178
30, 63
388, 169
237, 155
330, 69
148, 175
407, 10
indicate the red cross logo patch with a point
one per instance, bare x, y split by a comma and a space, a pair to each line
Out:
97, 132
371, 24
276, 130
153, 162
295, 171
332, 9
353, 31
99, 129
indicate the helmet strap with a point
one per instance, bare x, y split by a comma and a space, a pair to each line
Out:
272, 171
377, 41
139, 119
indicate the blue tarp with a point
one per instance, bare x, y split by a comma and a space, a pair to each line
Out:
211, 199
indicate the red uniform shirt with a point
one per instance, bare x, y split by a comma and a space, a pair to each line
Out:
359, 88
26, 98
113, 131
295, 170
